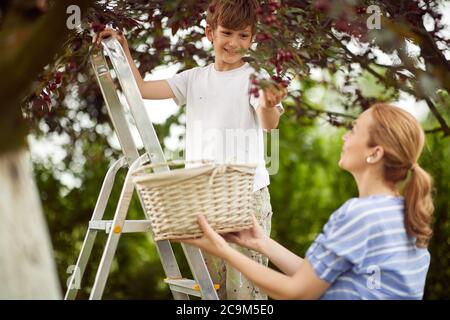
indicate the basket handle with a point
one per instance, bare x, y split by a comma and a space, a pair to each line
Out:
172, 163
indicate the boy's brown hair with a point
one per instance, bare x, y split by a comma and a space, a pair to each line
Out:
233, 14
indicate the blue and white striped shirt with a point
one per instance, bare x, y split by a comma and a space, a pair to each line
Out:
364, 252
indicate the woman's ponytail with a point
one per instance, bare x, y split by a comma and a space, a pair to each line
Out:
418, 205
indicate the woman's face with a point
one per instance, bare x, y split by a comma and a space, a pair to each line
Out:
355, 150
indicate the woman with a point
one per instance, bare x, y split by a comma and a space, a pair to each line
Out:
373, 246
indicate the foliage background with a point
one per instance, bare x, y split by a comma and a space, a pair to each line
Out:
64, 100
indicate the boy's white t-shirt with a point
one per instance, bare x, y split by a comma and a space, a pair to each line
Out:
221, 120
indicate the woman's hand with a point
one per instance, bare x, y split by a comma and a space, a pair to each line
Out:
108, 32
211, 241
254, 238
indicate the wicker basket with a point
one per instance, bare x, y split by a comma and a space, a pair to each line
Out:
174, 199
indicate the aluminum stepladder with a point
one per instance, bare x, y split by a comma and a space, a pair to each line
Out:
202, 285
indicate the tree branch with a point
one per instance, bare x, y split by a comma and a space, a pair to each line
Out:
20, 67
438, 116
394, 84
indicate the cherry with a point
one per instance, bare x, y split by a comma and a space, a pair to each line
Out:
270, 19
46, 97
261, 37
52, 86
254, 91
322, 5
97, 27
273, 6
254, 80
279, 69
73, 66
284, 56
281, 81
361, 10
342, 25
58, 77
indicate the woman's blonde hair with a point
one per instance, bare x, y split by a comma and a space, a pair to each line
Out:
402, 139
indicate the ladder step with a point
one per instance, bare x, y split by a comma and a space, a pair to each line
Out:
187, 286
129, 226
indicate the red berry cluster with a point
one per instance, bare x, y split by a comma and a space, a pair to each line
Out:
97, 27
342, 24
356, 28
279, 80
72, 66
267, 12
322, 5
51, 86
263, 36
254, 89
281, 57
284, 56
58, 77
44, 96
270, 20
273, 5
361, 10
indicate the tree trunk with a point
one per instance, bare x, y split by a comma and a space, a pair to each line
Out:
27, 269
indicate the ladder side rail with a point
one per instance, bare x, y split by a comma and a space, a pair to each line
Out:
89, 239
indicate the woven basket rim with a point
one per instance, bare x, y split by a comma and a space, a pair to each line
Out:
184, 162
139, 176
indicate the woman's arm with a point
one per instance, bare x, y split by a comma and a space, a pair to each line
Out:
285, 260
302, 284
255, 239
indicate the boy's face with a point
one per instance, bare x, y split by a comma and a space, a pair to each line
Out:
228, 45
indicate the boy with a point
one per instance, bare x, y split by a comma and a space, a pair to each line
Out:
219, 111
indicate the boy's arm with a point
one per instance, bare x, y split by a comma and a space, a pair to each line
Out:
154, 89
268, 117
158, 89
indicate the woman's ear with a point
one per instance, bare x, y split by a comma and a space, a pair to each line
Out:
376, 155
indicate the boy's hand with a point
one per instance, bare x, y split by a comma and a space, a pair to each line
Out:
110, 33
272, 95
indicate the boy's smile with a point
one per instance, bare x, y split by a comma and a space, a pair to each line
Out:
228, 46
